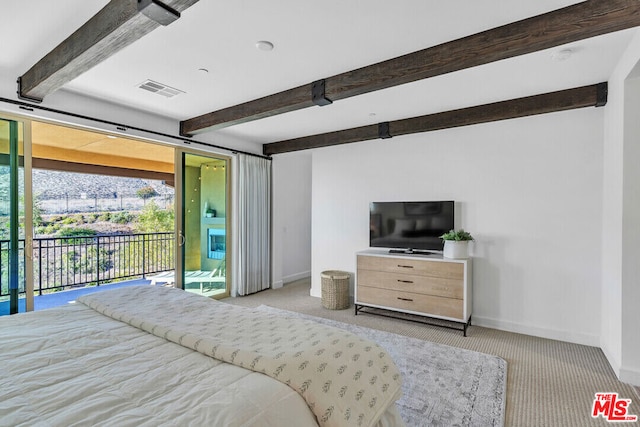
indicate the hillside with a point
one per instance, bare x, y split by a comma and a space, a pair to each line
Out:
57, 185
66, 192
63, 192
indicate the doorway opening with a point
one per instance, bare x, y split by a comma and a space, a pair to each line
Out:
205, 224
102, 209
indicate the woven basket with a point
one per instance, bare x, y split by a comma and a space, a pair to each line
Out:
335, 289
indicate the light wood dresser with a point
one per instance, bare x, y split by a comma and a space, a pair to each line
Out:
429, 286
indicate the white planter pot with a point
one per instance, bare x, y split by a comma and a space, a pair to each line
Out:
456, 249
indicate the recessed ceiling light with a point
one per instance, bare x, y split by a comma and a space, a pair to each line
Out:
203, 70
264, 45
562, 55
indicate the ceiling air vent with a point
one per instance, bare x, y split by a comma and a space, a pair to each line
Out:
159, 88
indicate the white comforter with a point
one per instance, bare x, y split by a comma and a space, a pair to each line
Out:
74, 366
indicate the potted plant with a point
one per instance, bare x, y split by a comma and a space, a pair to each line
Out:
456, 244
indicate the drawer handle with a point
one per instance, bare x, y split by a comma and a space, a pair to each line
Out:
405, 281
405, 299
405, 266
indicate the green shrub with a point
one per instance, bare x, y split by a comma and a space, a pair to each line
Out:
123, 217
67, 220
146, 192
36, 207
73, 261
76, 232
49, 228
153, 219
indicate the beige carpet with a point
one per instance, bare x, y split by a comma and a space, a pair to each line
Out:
549, 383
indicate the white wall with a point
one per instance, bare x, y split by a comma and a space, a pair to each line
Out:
291, 255
630, 368
75, 103
619, 338
611, 325
529, 190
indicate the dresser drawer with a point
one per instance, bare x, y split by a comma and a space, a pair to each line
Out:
408, 301
418, 267
437, 286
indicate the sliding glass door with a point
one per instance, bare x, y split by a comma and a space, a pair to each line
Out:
16, 274
203, 224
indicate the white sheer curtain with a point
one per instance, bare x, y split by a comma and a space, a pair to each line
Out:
254, 224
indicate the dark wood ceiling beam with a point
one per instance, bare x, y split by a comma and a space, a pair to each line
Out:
114, 27
585, 96
284, 102
580, 21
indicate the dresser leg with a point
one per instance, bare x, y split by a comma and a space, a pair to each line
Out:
466, 325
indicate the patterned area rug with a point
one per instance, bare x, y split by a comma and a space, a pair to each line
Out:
442, 385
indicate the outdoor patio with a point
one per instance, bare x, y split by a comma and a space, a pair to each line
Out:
67, 267
56, 299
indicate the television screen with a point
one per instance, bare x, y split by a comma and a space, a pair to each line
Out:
410, 225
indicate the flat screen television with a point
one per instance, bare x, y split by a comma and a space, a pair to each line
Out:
410, 227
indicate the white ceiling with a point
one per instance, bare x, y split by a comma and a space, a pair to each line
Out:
312, 40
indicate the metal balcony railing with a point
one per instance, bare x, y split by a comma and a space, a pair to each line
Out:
67, 262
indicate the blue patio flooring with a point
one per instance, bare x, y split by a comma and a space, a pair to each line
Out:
56, 299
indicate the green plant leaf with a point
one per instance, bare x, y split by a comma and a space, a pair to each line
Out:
457, 235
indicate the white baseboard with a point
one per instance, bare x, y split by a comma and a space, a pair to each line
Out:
554, 334
297, 276
316, 292
613, 362
630, 377
291, 278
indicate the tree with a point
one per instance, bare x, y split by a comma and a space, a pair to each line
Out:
37, 217
153, 219
146, 193
37, 210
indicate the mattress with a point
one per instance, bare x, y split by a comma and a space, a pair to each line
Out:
74, 365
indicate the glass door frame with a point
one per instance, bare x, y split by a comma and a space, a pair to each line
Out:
27, 202
180, 215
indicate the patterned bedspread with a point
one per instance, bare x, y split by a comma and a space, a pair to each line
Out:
345, 380
72, 366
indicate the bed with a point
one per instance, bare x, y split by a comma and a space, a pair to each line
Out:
159, 356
